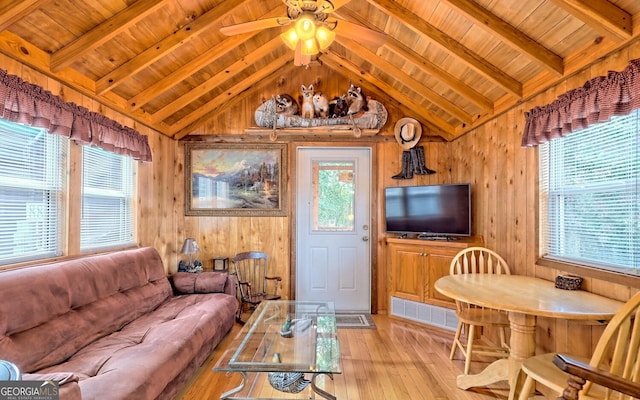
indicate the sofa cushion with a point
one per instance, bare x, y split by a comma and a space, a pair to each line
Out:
204, 282
152, 350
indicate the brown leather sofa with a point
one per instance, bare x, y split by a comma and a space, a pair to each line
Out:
111, 326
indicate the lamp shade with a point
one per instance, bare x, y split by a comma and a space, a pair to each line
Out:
309, 47
325, 37
290, 38
306, 27
190, 246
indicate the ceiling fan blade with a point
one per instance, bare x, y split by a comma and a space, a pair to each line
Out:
359, 33
254, 25
339, 3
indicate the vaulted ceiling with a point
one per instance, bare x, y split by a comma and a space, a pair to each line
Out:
454, 63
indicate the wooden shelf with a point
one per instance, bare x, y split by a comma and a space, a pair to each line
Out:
316, 130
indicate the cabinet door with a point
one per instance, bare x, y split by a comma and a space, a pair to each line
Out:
407, 272
438, 267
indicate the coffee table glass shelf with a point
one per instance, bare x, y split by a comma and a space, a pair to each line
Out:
293, 344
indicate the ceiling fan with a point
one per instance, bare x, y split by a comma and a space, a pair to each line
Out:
313, 28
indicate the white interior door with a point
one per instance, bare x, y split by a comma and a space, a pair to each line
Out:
333, 226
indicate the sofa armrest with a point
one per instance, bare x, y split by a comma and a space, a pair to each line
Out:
230, 285
67, 382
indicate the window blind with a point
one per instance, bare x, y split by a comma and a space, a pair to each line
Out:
589, 195
32, 172
107, 196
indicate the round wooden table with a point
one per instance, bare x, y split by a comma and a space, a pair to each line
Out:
524, 298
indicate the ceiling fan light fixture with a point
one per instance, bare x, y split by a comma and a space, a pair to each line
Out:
306, 27
290, 38
325, 37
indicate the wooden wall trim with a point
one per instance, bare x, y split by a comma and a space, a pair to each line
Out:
591, 272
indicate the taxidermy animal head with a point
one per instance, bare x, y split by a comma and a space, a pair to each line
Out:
339, 107
308, 111
321, 105
287, 105
356, 99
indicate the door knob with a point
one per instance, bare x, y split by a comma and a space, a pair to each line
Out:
365, 238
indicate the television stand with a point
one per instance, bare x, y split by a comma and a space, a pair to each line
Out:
436, 237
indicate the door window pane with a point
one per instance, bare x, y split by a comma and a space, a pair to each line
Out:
333, 196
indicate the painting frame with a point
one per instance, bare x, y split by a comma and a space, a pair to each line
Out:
244, 179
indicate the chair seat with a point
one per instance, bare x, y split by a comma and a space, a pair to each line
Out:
256, 299
483, 317
542, 369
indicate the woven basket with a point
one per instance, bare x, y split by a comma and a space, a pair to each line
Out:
568, 282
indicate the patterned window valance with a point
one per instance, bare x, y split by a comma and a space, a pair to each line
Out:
31, 105
598, 100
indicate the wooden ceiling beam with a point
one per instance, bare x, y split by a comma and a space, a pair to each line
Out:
181, 129
222, 76
601, 15
410, 82
176, 77
102, 33
425, 65
450, 45
165, 46
16, 10
194, 65
339, 63
510, 35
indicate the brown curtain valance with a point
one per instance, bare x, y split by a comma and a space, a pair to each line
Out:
32, 105
598, 100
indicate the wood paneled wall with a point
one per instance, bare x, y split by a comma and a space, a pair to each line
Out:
505, 196
504, 178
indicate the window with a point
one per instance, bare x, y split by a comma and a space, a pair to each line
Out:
32, 171
333, 196
590, 195
107, 200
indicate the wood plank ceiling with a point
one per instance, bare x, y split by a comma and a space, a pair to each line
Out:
453, 63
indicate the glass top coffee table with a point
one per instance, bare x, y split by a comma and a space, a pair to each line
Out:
286, 340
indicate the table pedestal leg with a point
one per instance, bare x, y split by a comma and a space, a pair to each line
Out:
496, 371
522, 344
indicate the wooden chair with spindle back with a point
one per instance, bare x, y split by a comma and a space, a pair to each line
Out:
478, 260
251, 271
615, 357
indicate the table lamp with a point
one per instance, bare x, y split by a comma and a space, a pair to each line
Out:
190, 247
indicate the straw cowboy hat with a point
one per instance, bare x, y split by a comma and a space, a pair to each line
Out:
408, 132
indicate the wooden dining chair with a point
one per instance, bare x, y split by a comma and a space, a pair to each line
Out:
478, 260
580, 373
616, 353
253, 282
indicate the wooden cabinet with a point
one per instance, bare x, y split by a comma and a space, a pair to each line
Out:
415, 265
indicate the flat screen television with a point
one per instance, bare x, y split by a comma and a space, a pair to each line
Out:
431, 211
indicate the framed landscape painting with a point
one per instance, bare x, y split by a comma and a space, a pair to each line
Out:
235, 179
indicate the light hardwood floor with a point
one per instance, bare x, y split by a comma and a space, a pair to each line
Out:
395, 361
